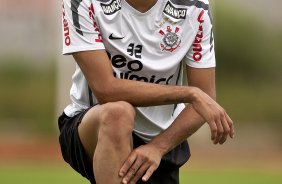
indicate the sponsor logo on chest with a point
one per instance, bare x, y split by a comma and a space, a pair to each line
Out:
111, 8
172, 11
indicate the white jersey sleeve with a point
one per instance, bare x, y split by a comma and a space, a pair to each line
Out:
201, 53
79, 28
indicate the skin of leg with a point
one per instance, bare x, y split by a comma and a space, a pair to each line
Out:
106, 134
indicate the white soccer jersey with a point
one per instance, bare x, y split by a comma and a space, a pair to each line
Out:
147, 47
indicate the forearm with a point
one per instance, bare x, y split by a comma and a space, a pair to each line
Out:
97, 70
145, 94
186, 124
189, 121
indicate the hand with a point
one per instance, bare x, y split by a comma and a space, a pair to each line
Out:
220, 123
142, 162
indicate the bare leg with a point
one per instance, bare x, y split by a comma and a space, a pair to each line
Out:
105, 132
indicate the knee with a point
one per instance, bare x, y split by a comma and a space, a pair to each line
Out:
117, 117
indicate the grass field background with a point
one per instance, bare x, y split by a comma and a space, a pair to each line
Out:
38, 161
61, 174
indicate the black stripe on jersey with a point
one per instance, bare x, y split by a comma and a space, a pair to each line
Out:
200, 4
177, 79
211, 40
179, 73
91, 103
74, 9
104, 1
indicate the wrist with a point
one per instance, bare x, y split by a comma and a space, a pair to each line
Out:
159, 146
193, 94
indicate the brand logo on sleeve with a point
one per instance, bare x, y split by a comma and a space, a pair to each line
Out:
95, 25
172, 11
197, 45
66, 31
111, 8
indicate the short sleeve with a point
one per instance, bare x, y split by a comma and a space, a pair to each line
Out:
80, 31
201, 54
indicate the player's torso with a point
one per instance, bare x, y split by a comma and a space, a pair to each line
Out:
145, 46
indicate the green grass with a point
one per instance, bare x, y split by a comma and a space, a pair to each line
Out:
230, 177
39, 174
61, 174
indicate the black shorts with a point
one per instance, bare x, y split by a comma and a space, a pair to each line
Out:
74, 153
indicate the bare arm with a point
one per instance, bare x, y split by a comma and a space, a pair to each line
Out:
187, 123
97, 69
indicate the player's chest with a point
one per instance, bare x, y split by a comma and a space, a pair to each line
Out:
155, 34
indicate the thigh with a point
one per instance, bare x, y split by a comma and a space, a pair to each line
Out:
72, 149
96, 117
88, 130
79, 135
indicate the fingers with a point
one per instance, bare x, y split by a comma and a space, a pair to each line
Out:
225, 131
213, 128
139, 173
231, 125
149, 173
142, 160
146, 168
128, 163
221, 128
134, 172
220, 131
220, 123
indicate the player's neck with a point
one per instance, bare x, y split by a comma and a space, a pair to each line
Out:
142, 5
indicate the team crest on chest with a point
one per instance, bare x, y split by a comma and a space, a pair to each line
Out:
170, 39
